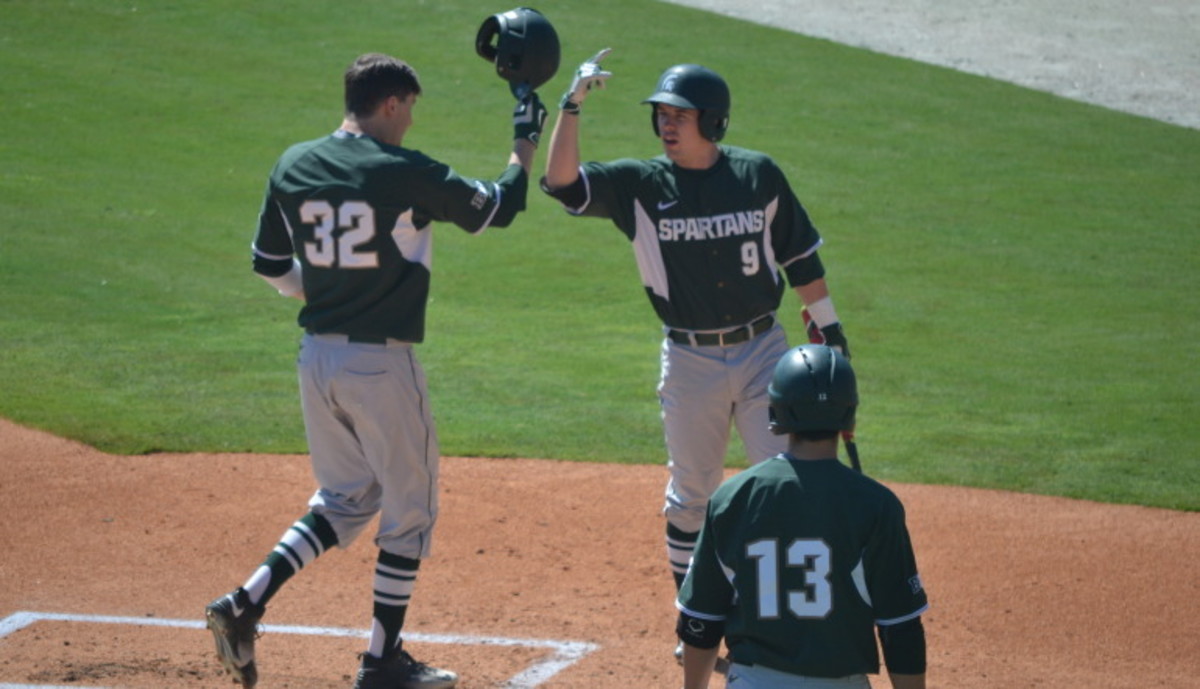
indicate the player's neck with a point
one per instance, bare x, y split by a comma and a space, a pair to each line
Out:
697, 159
376, 128
812, 449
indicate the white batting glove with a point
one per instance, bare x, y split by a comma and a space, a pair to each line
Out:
589, 76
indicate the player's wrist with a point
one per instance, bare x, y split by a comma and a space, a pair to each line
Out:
822, 312
568, 105
529, 117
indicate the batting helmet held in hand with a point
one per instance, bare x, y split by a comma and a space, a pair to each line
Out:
813, 389
695, 88
524, 47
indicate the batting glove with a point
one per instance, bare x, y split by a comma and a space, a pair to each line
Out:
832, 336
589, 76
528, 118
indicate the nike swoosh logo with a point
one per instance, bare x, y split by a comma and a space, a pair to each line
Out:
664, 205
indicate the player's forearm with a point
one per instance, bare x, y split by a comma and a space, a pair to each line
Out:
698, 664
522, 154
904, 653
289, 284
813, 292
562, 160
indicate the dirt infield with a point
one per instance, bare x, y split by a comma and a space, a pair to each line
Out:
545, 574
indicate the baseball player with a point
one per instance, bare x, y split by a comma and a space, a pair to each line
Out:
715, 230
346, 226
802, 558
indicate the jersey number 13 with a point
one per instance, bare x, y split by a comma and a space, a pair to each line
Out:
812, 558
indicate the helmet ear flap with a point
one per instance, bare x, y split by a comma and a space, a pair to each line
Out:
654, 118
713, 125
484, 46
720, 123
775, 424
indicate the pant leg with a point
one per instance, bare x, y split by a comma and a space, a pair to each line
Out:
755, 366
696, 408
404, 450
348, 495
373, 442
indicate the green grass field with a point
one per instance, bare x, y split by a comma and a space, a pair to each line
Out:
1017, 272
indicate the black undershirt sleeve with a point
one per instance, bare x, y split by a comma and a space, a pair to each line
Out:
805, 270
699, 633
904, 647
572, 196
271, 267
513, 183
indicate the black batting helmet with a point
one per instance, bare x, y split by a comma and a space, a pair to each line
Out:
813, 389
524, 47
696, 88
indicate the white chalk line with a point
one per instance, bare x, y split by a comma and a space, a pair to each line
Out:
563, 653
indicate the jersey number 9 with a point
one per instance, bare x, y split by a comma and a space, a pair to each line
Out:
749, 258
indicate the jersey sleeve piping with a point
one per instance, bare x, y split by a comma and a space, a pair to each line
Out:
698, 615
270, 257
587, 190
905, 618
495, 208
587, 195
809, 252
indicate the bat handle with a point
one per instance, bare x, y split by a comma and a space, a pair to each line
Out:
852, 450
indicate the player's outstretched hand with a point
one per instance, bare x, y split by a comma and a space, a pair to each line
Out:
528, 118
589, 76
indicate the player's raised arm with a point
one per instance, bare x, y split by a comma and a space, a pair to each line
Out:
528, 119
562, 160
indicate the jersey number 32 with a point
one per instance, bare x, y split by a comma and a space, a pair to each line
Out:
356, 219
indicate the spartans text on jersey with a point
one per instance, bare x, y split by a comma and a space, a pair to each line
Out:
713, 227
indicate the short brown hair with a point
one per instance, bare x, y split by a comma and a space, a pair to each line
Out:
373, 78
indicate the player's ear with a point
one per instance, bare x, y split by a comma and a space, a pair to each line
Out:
387, 106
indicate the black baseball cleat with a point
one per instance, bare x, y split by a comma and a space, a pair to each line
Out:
233, 621
400, 671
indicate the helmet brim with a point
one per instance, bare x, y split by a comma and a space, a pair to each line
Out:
668, 98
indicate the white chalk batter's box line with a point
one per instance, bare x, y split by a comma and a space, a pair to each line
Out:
563, 653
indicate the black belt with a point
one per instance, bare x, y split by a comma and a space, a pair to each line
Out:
358, 339
723, 339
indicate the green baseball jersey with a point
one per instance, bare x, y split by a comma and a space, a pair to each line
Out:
356, 213
709, 243
801, 559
